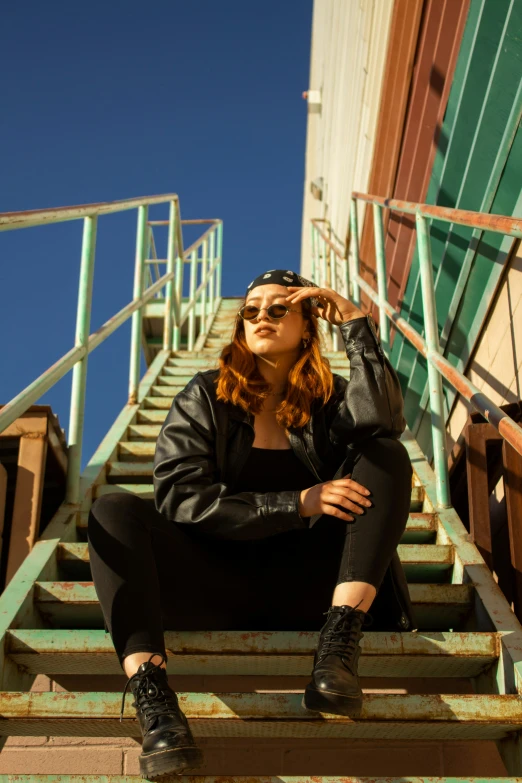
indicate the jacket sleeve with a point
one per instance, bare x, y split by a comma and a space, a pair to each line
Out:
186, 485
372, 405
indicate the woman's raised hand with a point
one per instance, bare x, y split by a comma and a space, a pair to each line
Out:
320, 499
333, 307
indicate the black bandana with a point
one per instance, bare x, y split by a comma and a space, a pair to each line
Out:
281, 277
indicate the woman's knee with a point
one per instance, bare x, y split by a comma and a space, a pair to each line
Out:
109, 510
389, 455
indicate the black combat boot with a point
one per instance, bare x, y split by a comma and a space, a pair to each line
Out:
335, 686
168, 744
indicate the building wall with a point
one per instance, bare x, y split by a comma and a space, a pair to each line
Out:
496, 366
409, 134
349, 44
475, 168
441, 126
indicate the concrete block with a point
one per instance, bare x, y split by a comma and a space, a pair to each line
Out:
480, 758
62, 761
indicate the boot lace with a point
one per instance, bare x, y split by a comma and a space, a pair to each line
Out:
149, 698
343, 638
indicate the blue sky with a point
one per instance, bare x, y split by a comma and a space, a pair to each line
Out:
110, 100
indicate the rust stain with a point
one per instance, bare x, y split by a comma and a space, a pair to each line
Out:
464, 217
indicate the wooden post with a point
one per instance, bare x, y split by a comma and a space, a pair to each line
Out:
28, 494
513, 487
3, 497
478, 495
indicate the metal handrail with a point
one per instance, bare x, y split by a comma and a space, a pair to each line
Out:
326, 258
207, 250
464, 217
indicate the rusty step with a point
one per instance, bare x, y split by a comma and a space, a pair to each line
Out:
398, 716
421, 528
268, 653
122, 470
437, 607
426, 563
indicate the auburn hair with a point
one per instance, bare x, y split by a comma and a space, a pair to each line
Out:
310, 378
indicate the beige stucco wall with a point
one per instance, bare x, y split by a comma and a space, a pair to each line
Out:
496, 368
349, 42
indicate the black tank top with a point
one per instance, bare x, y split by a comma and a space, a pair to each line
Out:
273, 470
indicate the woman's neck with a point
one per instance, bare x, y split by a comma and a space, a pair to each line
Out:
275, 372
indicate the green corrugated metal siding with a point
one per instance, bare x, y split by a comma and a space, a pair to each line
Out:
477, 167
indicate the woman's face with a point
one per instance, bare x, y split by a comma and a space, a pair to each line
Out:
267, 336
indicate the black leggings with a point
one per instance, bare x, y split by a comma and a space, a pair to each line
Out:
150, 573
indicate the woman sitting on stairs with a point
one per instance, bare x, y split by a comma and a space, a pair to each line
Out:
281, 489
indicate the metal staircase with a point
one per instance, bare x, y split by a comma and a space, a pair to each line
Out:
51, 622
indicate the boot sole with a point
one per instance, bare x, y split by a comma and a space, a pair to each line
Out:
328, 701
172, 761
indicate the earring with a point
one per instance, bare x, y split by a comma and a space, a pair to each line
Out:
306, 342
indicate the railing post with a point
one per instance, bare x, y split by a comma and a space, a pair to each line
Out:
313, 254
178, 296
346, 278
438, 427
192, 293
220, 256
212, 257
330, 272
149, 277
204, 267
79, 379
135, 357
380, 256
323, 325
354, 230
323, 264
169, 288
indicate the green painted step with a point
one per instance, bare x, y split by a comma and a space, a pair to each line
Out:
175, 380
420, 528
390, 716
131, 450
166, 391
182, 372
162, 403
271, 653
421, 563
175, 376
426, 554
205, 361
151, 416
146, 491
248, 779
438, 607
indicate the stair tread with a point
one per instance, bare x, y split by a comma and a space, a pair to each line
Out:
425, 592
248, 643
385, 716
408, 553
417, 522
257, 779
140, 449
271, 653
146, 490
163, 403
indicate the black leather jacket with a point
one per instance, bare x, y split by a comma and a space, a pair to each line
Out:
204, 442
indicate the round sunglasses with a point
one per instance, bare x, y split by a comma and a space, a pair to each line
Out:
276, 311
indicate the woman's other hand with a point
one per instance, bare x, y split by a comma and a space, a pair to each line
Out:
320, 499
333, 307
